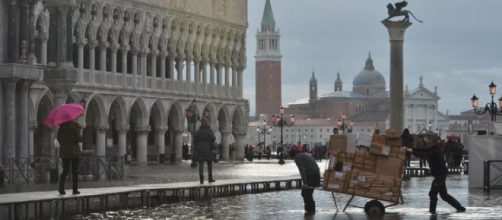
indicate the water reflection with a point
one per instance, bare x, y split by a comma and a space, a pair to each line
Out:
289, 205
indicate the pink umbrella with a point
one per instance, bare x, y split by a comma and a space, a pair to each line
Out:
63, 113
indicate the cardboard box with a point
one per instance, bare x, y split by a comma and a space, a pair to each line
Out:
388, 166
338, 143
394, 142
393, 132
378, 139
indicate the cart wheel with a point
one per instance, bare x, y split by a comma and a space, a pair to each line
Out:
374, 208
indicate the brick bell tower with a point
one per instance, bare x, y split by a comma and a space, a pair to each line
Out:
268, 65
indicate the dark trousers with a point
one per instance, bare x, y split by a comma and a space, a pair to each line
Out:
438, 186
423, 162
308, 200
74, 162
209, 170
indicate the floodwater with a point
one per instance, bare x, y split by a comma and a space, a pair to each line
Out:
289, 205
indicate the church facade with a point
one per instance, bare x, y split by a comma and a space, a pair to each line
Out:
367, 105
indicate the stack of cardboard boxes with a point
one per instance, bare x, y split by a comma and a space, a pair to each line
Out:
374, 172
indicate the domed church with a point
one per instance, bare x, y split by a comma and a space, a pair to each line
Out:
367, 105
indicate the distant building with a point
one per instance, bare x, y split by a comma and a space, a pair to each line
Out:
368, 104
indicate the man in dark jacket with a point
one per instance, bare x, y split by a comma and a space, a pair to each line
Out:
435, 157
69, 138
311, 177
203, 150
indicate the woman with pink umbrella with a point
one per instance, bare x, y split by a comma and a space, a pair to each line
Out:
69, 138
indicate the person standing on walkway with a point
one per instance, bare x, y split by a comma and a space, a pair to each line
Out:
311, 177
69, 138
407, 141
435, 157
203, 150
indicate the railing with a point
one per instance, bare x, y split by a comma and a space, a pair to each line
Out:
46, 169
487, 180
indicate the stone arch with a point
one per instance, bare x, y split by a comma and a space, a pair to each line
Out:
95, 120
117, 126
239, 129
43, 136
175, 127
157, 123
138, 129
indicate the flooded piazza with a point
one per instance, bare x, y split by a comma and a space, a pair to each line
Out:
289, 204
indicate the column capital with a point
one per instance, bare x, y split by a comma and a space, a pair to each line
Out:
142, 130
161, 130
9, 83
103, 45
101, 128
396, 29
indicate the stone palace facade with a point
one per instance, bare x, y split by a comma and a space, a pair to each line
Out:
137, 63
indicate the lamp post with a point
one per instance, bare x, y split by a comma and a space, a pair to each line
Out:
263, 130
278, 120
489, 107
343, 126
192, 117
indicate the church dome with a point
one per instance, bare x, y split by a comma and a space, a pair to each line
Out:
369, 77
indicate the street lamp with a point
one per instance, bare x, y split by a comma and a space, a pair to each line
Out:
489, 107
344, 127
263, 130
192, 117
278, 120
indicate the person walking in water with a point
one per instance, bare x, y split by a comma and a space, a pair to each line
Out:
311, 177
203, 150
435, 157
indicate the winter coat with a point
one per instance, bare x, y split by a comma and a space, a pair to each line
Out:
68, 138
308, 168
204, 145
435, 158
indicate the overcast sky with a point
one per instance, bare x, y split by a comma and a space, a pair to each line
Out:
458, 48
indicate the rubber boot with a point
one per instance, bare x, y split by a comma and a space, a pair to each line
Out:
432, 207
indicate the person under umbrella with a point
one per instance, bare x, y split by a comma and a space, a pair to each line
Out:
69, 138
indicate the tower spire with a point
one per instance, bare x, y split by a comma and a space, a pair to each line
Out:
268, 15
369, 63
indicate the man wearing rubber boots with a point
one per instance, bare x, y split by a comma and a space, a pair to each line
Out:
311, 178
435, 157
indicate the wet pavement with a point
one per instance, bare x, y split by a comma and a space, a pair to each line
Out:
286, 204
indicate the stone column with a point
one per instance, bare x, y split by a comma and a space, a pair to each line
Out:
396, 36
80, 51
122, 141
134, 66
92, 62
179, 69
170, 74
32, 127
225, 136
113, 50
143, 68
22, 96
162, 67
212, 68
204, 72
9, 143
13, 32
101, 140
188, 69
227, 75
239, 146
234, 76
43, 50
218, 74
197, 70
124, 51
178, 143
160, 141
142, 144
102, 59
153, 64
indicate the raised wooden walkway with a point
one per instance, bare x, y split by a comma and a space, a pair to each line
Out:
51, 205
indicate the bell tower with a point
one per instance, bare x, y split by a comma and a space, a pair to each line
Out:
268, 65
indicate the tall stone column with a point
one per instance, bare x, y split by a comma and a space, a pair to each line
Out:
162, 67
153, 64
143, 60
142, 144
124, 51
80, 64
239, 146
102, 59
234, 76
160, 142
101, 140
178, 143
396, 36
197, 70
225, 136
22, 96
32, 127
227, 75
134, 66
92, 62
9, 138
113, 63
43, 49
171, 61
122, 141
218, 74
188, 69
13, 32
212, 68
204, 72
179, 69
